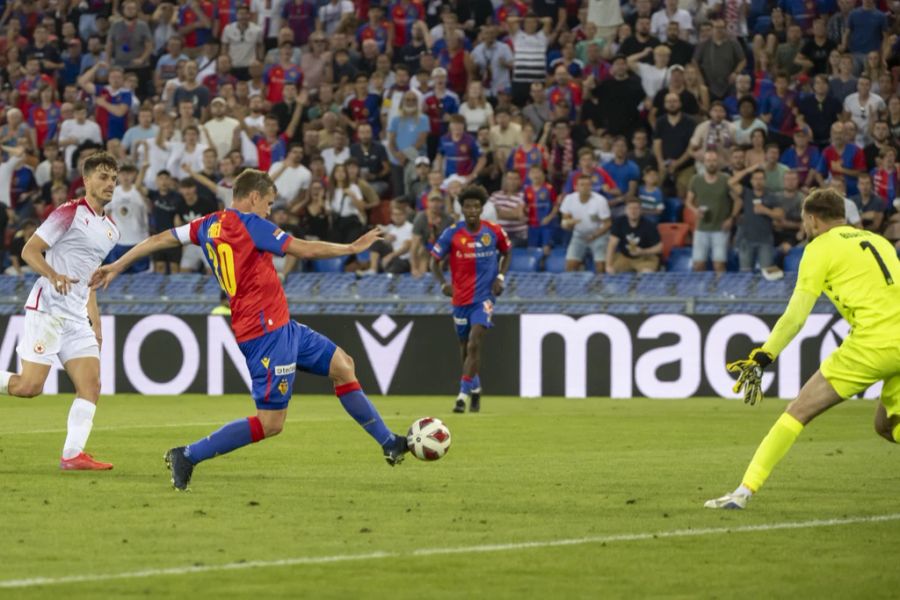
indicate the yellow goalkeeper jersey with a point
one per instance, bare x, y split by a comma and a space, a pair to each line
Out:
860, 273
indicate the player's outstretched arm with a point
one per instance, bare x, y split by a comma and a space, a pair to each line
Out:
103, 276
306, 249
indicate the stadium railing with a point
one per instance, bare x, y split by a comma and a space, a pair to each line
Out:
345, 293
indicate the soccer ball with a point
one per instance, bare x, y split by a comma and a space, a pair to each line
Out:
428, 439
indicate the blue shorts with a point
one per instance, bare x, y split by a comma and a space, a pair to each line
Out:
540, 236
464, 317
274, 358
118, 251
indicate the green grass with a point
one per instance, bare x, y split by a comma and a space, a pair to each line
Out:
522, 471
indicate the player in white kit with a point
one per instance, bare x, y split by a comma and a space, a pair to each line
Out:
61, 315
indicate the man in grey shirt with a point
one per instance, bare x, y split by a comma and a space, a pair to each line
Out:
427, 228
755, 236
130, 44
720, 58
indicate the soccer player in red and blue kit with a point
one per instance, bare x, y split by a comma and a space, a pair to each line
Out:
238, 244
478, 252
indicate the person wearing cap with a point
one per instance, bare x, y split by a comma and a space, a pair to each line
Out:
418, 186
802, 157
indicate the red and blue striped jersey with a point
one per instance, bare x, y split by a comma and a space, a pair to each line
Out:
276, 77
435, 108
111, 126
460, 156
45, 122
522, 160
540, 202
239, 247
403, 18
473, 259
379, 33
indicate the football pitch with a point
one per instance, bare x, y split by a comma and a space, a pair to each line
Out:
548, 498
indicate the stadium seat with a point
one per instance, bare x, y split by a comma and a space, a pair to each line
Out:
329, 265
374, 286
654, 284
525, 259
616, 285
407, 286
302, 285
530, 285
556, 262
674, 207
573, 285
672, 236
680, 260
792, 259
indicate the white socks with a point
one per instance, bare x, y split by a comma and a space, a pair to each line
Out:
4, 381
81, 420
742, 490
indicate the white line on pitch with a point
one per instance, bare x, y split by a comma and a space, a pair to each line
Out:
318, 560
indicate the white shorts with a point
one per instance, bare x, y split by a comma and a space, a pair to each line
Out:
192, 258
45, 336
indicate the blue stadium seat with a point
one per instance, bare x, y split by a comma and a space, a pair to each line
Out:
673, 209
329, 265
182, 285
735, 285
792, 259
654, 284
556, 262
693, 284
9, 284
407, 286
525, 260
616, 285
573, 285
663, 308
530, 285
373, 286
302, 285
624, 309
680, 260
420, 308
336, 285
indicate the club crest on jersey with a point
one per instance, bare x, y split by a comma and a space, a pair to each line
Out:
38, 348
265, 362
485, 239
215, 230
283, 386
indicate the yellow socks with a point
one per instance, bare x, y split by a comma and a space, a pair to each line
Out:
772, 449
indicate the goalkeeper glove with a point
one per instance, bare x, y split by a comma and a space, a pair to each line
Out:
750, 375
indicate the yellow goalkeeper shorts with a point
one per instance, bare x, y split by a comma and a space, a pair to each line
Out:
854, 367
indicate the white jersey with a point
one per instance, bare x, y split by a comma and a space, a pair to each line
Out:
589, 215
129, 212
78, 239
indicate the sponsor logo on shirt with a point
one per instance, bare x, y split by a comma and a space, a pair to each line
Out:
285, 369
214, 231
265, 362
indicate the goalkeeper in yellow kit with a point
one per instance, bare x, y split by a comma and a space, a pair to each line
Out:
859, 272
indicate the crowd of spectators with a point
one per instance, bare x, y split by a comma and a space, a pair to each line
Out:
587, 121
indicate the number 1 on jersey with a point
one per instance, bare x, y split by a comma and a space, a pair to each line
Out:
888, 278
222, 258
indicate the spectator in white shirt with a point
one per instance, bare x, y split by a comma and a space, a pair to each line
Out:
74, 132
586, 213
243, 41
391, 254
130, 212
659, 23
290, 176
863, 107
653, 77
338, 153
332, 14
188, 151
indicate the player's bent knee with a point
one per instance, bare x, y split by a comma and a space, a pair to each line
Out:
343, 369
28, 389
272, 429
